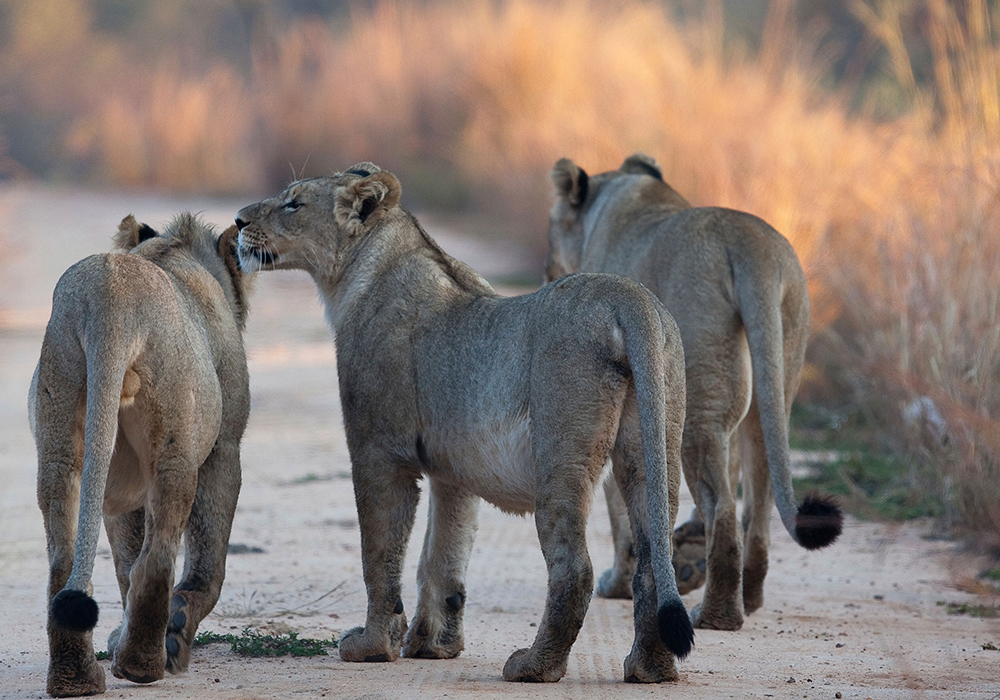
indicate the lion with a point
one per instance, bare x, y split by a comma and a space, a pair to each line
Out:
738, 294
137, 406
519, 401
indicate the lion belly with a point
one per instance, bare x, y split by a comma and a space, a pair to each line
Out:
494, 461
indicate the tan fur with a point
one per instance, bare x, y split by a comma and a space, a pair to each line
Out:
520, 401
722, 274
137, 406
127, 236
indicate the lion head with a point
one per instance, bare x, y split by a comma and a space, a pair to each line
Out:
280, 232
577, 193
188, 232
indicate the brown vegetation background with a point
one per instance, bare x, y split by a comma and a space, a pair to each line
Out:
867, 131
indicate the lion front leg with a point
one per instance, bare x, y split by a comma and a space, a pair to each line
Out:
207, 538
452, 520
616, 582
706, 450
758, 502
126, 532
387, 503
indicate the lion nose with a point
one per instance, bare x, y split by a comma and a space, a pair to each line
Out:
240, 223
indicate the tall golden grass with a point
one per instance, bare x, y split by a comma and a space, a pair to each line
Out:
896, 221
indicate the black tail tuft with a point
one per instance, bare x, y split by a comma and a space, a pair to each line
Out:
819, 522
74, 611
675, 628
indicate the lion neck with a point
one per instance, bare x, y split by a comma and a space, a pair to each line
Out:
395, 260
227, 275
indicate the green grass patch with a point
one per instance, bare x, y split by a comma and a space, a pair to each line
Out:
971, 609
253, 643
990, 574
206, 638
102, 655
813, 427
869, 480
872, 486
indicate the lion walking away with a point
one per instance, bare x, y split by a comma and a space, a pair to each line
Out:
738, 293
137, 406
520, 401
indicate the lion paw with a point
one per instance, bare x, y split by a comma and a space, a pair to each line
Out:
614, 584
650, 665
525, 666
178, 638
113, 638
689, 558
440, 639
71, 676
138, 666
358, 645
178, 653
753, 600
728, 623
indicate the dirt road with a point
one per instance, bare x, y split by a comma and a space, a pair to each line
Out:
860, 619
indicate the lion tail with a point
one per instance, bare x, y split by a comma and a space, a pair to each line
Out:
818, 521
645, 338
108, 387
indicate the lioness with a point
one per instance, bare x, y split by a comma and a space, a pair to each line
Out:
738, 294
516, 400
137, 406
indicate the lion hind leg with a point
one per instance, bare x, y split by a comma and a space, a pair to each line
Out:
140, 654
563, 502
207, 533
436, 630
649, 661
573, 433
73, 668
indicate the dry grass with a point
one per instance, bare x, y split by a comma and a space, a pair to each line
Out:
895, 221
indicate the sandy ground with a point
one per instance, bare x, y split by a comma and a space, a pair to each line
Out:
860, 618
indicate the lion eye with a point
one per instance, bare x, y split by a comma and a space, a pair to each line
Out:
292, 204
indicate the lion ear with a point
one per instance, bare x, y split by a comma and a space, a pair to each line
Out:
362, 203
131, 233
641, 164
364, 169
571, 182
